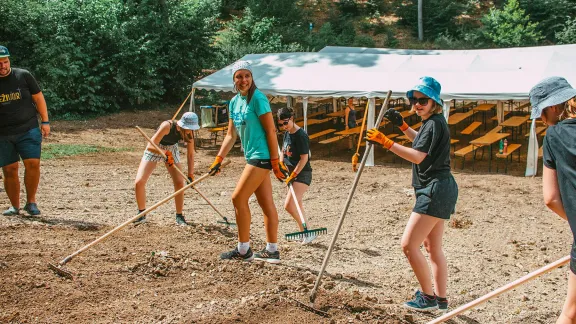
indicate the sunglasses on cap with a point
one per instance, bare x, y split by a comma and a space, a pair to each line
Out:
283, 122
420, 101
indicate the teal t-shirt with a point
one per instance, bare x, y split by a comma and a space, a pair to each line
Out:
245, 118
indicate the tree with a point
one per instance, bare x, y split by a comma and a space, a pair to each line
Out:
509, 27
568, 34
549, 14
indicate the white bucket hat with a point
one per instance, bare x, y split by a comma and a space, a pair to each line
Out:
189, 121
241, 65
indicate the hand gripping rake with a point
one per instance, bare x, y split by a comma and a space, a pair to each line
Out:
350, 195
357, 155
58, 268
224, 218
306, 233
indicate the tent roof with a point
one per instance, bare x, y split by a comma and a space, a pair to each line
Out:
498, 74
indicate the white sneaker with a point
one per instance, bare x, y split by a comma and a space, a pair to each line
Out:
308, 239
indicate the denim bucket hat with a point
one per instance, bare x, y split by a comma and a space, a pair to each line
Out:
241, 65
189, 121
550, 92
428, 86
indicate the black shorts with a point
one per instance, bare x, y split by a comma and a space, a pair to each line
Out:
573, 258
304, 177
437, 199
261, 163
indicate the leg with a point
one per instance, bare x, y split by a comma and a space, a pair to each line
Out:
251, 178
144, 171
418, 228
299, 190
568, 315
266, 202
178, 184
433, 245
31, 178
12, 183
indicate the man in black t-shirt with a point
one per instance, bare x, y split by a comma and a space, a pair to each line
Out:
21, 101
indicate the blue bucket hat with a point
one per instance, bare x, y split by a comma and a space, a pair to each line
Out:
189, 121
550, 92
428, 86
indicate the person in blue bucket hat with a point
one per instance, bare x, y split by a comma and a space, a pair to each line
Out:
435, 190
554, 100
166, 138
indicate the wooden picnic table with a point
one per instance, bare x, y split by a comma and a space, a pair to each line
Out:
488, 140
515, 122
340, 113
484, 108
311, 121
457, 118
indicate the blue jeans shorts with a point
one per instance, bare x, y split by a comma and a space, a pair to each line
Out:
26, 146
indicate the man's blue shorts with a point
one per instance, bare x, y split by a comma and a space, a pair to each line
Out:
26, 146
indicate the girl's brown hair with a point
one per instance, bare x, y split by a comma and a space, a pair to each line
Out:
569, 109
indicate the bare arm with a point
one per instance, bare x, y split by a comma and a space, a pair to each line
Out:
162, 131
42, 109
346, 113
551, 192
410, 133
270, 130
408, 153
190, 150
301, 163
229, 140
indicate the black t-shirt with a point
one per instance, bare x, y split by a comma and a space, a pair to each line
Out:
17, 110
559, 153
434, 140
295, 145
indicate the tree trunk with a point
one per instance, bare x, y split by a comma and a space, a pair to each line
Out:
420, 27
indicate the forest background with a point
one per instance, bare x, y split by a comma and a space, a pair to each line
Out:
103, 56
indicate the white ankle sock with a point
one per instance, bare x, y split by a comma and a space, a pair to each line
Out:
243, 247
271, 247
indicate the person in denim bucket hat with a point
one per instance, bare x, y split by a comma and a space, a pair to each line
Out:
554, 100
435, 190
166, 138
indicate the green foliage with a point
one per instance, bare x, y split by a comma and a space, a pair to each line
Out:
509, 27
549, 14
54, 151
568, 34
93, 57
438, 16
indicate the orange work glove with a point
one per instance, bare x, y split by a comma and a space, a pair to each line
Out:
215, 167
355, 161
279, 172
169, 158
374, 136
291, 178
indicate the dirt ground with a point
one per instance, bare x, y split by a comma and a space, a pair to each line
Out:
162, 273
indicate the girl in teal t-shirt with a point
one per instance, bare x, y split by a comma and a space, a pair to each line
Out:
251, 118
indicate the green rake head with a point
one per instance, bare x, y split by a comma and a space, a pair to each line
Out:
226, 222
306, 233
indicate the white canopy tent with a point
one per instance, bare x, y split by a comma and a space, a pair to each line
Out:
492, 74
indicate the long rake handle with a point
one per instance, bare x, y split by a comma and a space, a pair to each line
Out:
179, 171
362, 127
350, 195
295, 199
182, 105
501, 290
119, 227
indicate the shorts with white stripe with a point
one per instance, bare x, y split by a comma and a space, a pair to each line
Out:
152, 157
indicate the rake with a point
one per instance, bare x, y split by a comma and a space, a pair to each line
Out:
58, 268
224, 218
306, 233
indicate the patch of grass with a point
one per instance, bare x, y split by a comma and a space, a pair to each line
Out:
54, 151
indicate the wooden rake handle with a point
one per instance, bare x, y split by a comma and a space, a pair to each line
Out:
119, 227
501, 290
182, 105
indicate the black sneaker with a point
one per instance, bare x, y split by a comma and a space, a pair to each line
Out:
140, 220
265, 255
442, 304
32, 209
12, 211
421, 302
181, 221
235, 255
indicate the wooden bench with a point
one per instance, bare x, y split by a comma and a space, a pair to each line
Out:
510, 149
308, 116
539, 130
496, 129
465, 151
214, 131
471, 128
322, 133
495, 118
